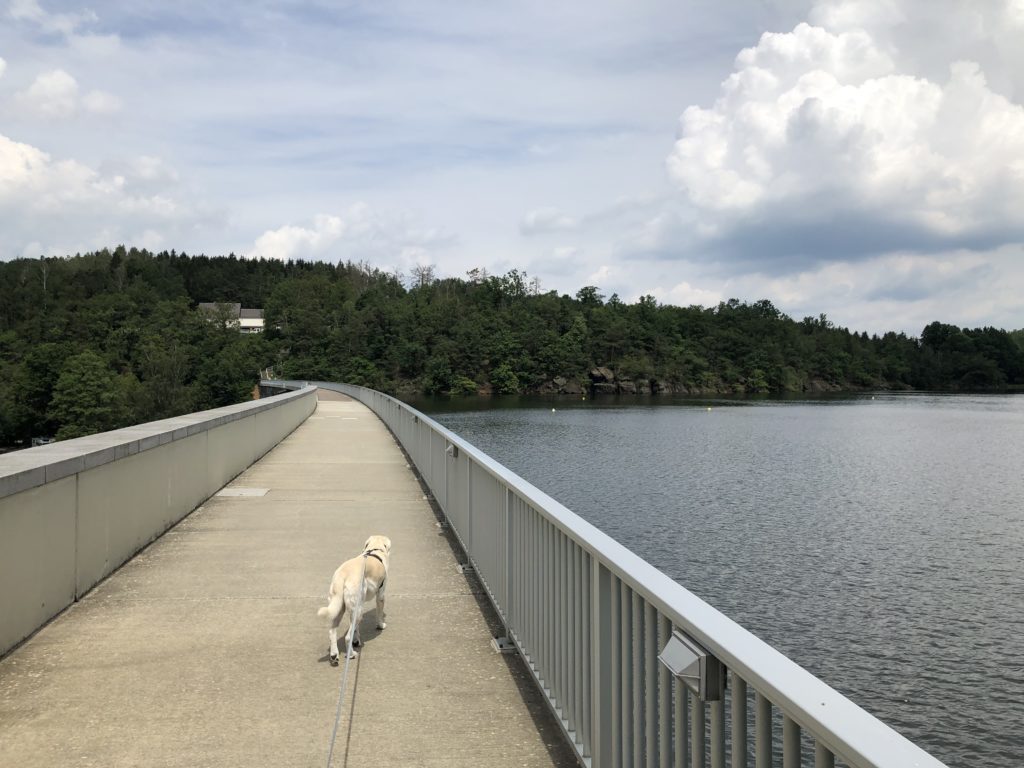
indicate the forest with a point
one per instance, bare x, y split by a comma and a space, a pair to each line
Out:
105, 339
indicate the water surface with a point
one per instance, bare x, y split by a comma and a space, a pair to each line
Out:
876, 540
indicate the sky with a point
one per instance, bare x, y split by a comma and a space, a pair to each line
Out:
858, 158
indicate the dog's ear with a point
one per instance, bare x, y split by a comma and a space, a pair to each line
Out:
366, 546
387, 544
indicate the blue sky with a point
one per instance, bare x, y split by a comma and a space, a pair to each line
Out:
861, 158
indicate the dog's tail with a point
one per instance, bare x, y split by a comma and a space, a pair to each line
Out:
333, 608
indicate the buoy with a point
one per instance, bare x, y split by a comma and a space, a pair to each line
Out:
709, 407
552, 410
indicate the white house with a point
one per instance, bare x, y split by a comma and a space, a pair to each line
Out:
245, 320
250, 320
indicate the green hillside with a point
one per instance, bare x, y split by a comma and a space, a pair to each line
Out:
105, 339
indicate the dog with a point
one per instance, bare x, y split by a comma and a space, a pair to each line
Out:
343, 594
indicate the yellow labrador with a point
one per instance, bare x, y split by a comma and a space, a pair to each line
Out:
343, 593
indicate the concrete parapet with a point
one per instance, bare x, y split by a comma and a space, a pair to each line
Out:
73, 512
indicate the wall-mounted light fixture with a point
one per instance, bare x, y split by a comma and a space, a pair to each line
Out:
698, 670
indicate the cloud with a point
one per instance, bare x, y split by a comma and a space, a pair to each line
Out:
52, 23
541, 220
601, 276
94, 209
685, 295
561, 264
924, 36
889, 292
902, 291
55, 94
818, 148
3, 66
358, 234
101, 103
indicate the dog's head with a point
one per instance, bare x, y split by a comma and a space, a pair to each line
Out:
377, 542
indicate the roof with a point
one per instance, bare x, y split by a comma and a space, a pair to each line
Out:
234, 309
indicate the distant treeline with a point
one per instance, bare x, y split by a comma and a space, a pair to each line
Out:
101, 340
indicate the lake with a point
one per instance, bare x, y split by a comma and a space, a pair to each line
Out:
877, 540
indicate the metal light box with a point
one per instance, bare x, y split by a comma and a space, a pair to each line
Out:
701, 672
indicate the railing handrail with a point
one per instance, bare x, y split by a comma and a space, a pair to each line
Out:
849, 731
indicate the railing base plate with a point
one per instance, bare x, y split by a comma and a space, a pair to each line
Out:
502, 645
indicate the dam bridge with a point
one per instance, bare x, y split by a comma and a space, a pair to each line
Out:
159, 587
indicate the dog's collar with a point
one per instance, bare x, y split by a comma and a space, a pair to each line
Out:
370, 553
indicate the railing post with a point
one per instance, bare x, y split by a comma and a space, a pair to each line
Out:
511, 617
739, 721
601, 670
468, 464
447, 510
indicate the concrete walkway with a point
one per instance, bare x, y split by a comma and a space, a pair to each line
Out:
206, 650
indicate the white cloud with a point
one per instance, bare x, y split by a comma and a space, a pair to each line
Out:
153, 168
542, 220
601, 276
55, 94
902, 290
924, 36
359, 233
101, 102
59, 23
816, 124
558, 264
94, 209
568, 253
684, 295
290, 241
890, 292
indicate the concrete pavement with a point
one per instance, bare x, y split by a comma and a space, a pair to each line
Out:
206, 650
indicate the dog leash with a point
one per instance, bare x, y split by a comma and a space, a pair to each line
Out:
356, 616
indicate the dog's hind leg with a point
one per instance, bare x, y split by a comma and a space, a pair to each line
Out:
381, 624
335, 610
352, 636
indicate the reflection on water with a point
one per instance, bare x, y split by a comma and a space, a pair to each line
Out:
877, 541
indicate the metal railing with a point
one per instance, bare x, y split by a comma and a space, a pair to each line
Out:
590, 619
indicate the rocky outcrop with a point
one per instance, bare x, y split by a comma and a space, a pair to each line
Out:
560, 386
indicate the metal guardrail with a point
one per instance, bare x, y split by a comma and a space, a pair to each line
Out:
590, 619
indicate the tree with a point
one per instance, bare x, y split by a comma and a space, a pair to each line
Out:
88, 397
589, 296
229, 376
423, 275
504, 380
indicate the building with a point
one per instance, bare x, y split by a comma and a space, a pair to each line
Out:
245, 320
250, 320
